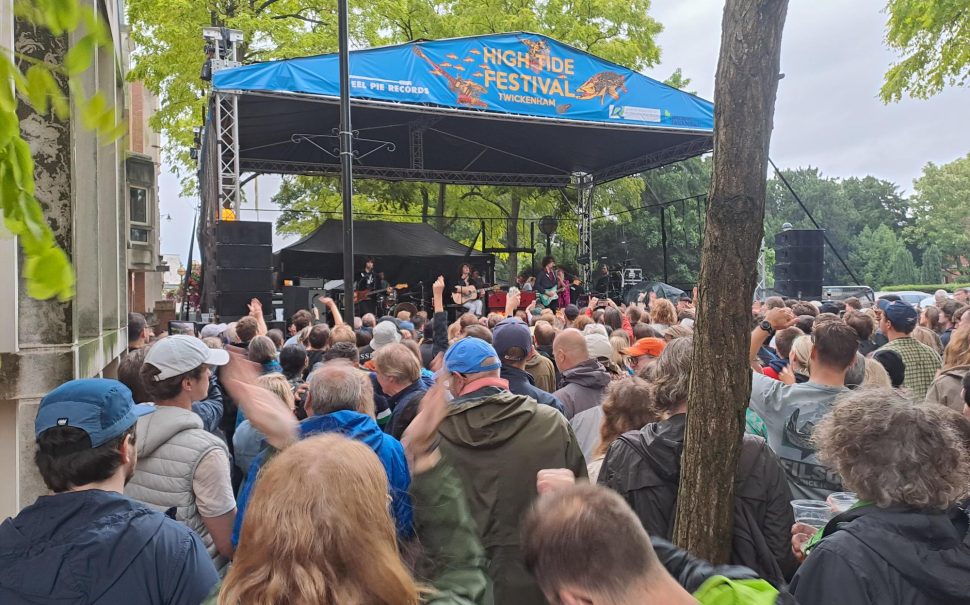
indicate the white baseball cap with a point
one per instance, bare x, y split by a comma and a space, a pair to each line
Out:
598, 346
384, 333
179, 354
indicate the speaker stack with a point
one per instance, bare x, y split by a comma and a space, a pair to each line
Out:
799, 263
244, 267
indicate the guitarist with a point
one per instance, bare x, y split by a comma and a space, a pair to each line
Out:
547, 284
367, 281
466, 290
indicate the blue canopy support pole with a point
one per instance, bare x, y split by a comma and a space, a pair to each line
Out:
346, 162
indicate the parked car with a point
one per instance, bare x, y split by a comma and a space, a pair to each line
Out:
912, 297
863, 293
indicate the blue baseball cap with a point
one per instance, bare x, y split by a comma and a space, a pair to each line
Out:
470, 356
102, 408
511, 333
901, 315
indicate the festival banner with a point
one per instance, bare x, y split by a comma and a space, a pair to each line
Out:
517, 73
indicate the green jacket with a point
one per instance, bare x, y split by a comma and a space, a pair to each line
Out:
719, 590
498, 442
454, 563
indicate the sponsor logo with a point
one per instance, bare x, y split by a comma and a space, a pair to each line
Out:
638, 114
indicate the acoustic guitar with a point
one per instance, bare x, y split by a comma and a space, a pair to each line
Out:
362, 295
466, 294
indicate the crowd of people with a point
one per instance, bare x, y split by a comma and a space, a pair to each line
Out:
520, 458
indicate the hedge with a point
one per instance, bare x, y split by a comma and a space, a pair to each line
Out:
930, 288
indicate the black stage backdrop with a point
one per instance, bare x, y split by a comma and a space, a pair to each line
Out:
405, 252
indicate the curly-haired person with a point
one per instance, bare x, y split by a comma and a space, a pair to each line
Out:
906, 540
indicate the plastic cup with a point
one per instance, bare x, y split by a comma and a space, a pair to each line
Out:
840, 502
815, 513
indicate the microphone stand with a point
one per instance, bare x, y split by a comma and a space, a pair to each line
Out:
423, 304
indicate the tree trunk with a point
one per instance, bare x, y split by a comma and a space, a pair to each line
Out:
439, 209
425, 203
512, 234
720, 386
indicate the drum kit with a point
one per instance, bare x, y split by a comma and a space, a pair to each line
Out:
393, 303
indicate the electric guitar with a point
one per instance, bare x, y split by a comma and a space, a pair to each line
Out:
545, 297
362, 295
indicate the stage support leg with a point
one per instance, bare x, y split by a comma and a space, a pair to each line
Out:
227, 127
346, 162
663, 241
584, 211
762, 288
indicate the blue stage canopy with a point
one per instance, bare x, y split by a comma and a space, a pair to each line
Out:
516, 108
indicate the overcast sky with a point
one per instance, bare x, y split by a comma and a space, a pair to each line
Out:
828, 114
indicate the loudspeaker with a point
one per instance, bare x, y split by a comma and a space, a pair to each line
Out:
243, 266
231, 304
244, 280
244, 256
294, 299
799, 263
251, 233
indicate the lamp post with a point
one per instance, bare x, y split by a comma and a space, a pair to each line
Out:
548, 225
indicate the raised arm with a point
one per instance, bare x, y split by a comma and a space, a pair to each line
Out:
333, 309
775, 319
256, 312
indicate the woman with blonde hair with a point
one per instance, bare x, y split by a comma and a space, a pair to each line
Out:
663, 312
876, 375
947, 387
800, 358
619, 340
627, 406
318, 528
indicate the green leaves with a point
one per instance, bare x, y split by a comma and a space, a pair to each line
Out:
932, 38
47, 271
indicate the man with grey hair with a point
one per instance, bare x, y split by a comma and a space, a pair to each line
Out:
340, 400
498, 441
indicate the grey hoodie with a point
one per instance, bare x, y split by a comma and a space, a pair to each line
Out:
582, 387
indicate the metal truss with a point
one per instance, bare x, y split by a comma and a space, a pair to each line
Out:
584, 211
762, 289
227, 139
457, 177
693, 147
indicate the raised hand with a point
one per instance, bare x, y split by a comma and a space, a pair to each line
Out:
551, 479
419, 437
781, 318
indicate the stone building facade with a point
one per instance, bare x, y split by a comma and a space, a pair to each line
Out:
81, 184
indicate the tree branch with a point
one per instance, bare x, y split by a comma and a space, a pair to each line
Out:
300, 17
266, 4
